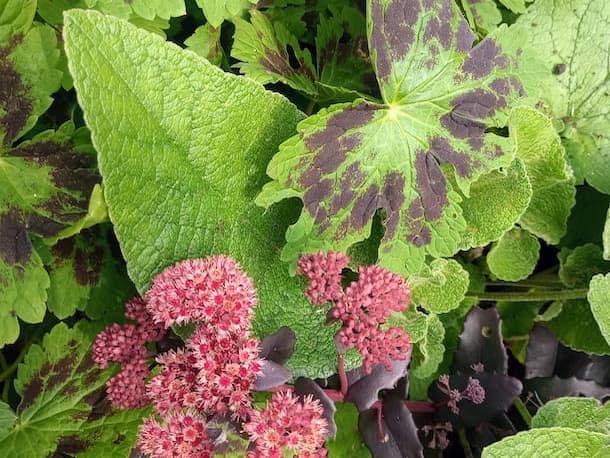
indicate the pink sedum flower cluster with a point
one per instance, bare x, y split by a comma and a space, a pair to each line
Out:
124, 344
182, 435
288, 427
213, 290
363, 307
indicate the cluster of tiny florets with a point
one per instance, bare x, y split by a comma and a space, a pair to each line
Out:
438, 435
213, 290
324, 274
473, 392
125, 344
364, 307
288, 427
184, 435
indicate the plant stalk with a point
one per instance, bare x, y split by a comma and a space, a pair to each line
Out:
521, 296
527, 417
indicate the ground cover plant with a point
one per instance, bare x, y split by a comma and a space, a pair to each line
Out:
344, 228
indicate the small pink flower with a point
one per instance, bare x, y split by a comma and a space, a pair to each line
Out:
127, 389
473, 392
213, 290
117, 344
288, 425
136, 310
184, 436
324, 274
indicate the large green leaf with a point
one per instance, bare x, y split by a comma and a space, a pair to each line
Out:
182, 158
572, 37
440, 99
440, 287
580, 413
553, 191
599, 300
552, 442
61, 409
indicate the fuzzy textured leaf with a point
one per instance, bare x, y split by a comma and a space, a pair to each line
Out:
599, 300
553, 191
180, 175
514, 256
579, 413
439, 97
572, 37
440, 287
555, 442
578, 266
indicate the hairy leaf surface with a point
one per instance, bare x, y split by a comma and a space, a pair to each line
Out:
440, 96
514, 256
573, 39
580, 413
440, 287
599, 300
182, 161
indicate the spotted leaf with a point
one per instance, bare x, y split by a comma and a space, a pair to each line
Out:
440, 97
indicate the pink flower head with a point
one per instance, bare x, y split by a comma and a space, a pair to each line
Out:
288, 425
227, 369
364, 308
127, 389
136, 310
324, 274
184, 436
473, 392
214, 290
118, 344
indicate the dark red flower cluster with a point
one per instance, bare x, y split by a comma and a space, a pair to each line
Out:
124, 344
363, 307
474, 392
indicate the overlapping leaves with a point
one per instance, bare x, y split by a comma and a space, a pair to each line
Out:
440, 96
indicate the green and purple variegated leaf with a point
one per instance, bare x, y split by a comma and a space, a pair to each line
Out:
440, 99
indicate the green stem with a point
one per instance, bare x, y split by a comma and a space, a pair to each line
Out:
6, 373
465, 444
527, 417
310, 107
522, 296
527, 284
3, 363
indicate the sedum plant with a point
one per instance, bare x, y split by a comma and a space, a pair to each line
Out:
304, 228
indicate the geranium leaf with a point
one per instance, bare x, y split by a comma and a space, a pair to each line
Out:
216, 11
205, 41
439, 287
550, 442
439, 97
348, 441
29, 58
60, 387
7, 418
580, 413
514, 256
188, 193
599, 300
570, 37
553, 191
486, 14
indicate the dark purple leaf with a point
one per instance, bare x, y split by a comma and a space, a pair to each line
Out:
541, 353
547, 388
481, 343
398, 435
278, 347
500, 392
273, 375
304, 386
364, 389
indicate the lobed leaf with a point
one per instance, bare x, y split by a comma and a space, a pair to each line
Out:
439, 287
570, 36
216, 11
182, 161
440, 96
514, 256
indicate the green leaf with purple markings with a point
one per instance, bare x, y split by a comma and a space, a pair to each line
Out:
440, 99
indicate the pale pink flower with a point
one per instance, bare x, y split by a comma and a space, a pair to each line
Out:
324, 274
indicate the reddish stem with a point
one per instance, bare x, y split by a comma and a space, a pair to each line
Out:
378, 406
